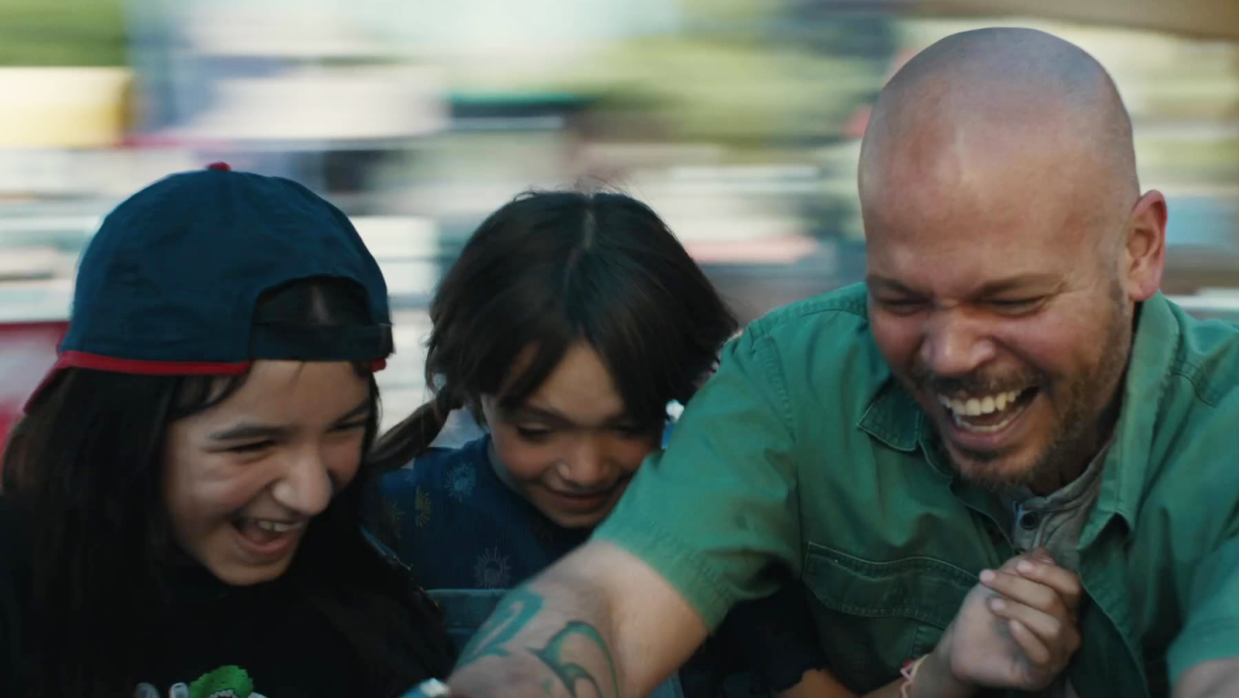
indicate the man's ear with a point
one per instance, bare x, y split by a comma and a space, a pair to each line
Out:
1144, 254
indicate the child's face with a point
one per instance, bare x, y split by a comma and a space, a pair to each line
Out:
242, 479
571, 448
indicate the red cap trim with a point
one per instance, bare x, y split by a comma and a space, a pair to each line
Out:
80, 359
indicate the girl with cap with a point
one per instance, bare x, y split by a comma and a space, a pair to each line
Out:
181, 504
566, 327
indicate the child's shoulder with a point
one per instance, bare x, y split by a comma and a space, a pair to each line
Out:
439, 470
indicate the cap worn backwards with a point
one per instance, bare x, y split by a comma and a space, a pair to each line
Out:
169, 283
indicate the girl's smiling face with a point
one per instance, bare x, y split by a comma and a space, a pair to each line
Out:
243, 478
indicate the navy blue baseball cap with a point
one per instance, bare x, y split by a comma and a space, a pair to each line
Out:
169, 283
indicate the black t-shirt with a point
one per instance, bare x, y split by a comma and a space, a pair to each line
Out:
262, 641
14, 596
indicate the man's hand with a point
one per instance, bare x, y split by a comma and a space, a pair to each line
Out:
1016, 629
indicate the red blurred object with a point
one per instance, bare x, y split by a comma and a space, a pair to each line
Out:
27, 352
219, 166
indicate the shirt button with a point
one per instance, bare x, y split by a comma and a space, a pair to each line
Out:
1029, 521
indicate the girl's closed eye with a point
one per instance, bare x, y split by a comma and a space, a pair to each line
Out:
253, 447
350, 426
533, 433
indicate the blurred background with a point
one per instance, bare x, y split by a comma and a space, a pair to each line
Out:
737, 120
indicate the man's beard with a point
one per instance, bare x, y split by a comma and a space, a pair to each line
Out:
1083, 422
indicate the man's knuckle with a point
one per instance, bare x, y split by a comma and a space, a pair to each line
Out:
1059, 610
1047, 600
1073, 641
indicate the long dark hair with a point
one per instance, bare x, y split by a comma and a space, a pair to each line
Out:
553, 268
83, 468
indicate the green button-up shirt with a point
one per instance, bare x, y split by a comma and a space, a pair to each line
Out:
804, 453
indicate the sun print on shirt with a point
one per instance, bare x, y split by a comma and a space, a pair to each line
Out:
491, 570
423, 507
460, 481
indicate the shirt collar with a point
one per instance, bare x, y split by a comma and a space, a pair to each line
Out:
1153, 356
893, 417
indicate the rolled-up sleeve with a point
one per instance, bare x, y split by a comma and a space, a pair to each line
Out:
1211, 630
719, 506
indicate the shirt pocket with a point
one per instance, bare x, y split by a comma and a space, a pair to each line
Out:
874, 616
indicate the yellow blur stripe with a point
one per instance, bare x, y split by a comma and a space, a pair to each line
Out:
63, 107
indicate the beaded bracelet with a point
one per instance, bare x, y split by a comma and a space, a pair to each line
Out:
908, 672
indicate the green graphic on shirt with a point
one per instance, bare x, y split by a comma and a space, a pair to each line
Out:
224, 682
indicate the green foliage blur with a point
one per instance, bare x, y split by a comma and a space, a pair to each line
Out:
53, 33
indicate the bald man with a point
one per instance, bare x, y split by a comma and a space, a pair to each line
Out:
1006, 461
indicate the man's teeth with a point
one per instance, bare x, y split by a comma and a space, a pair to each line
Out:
962, 410
977, 406
276, 526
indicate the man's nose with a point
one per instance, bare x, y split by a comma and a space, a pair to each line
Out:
955, 344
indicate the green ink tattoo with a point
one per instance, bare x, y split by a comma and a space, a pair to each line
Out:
570, 672
514, 612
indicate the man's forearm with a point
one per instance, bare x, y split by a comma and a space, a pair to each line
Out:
1216, 679
527, 649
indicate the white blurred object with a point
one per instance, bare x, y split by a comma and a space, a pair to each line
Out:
260, 74
398, 237
1210, 300
108, 174
406, 248
30, 263
35, 301
13, 228
320, 103
278, 28
532, 30
459, 429
674, 410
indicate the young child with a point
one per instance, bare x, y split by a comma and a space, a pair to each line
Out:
567, 325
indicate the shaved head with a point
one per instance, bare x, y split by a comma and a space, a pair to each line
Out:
1007, 246
1019, 100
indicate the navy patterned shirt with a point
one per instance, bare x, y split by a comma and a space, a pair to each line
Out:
452, 520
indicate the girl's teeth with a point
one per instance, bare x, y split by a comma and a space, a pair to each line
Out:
274, 526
